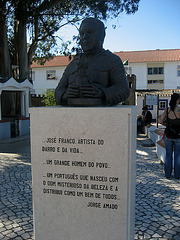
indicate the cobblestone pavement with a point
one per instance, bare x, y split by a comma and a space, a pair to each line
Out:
15, 190
157, 198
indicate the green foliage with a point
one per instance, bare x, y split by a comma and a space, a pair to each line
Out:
49, 98
44, 18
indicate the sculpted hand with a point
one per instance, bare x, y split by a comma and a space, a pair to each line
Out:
91, 91
72, 92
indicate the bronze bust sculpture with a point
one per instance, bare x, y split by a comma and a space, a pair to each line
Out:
96, 77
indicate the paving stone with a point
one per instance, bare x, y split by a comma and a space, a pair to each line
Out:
153, 228
171, 232
20, 233
2, 229
168, 236
25, 236
5, 233
12, 235
5, 238
147, 236
149, 231
177, 229
1, 236
143, 229
17, 229
176, 237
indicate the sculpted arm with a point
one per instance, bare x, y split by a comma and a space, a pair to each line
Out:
118, 91
64, 90
61, 89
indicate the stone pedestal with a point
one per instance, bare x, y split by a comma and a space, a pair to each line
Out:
83, 166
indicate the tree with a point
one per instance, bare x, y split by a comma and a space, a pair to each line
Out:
49, 98
5, 68
43, 18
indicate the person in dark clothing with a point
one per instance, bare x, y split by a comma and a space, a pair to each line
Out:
144, 119
147, 116
172, 117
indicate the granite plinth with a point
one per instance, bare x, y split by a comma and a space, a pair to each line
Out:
84, 102
83, 164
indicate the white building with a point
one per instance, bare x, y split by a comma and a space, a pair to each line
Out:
154, 69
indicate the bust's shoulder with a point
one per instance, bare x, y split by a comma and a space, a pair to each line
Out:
75, 59
71, 67
111, 55
74, 62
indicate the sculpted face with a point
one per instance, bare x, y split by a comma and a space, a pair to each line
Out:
89, 37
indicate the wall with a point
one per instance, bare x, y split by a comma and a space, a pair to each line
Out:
171, 80
140, 70
24, 126
5, 129
41, 84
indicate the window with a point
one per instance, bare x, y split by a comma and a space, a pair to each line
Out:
155, 71
149, 71
178, 70
163, 104
158, 70
161, 70
155, 81
51, 75
130, 85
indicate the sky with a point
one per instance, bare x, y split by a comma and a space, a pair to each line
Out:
156, 25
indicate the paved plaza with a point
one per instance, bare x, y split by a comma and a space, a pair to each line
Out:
157, 198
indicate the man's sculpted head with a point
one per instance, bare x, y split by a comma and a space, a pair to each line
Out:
92, 34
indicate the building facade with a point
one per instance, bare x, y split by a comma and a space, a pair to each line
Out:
154, 70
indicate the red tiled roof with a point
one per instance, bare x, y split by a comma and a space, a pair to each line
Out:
168, 55
55, 62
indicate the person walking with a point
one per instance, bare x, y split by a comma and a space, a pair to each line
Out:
171, 116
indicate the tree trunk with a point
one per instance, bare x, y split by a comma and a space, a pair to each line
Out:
33, 46
5, 63
15, 59
22, 51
